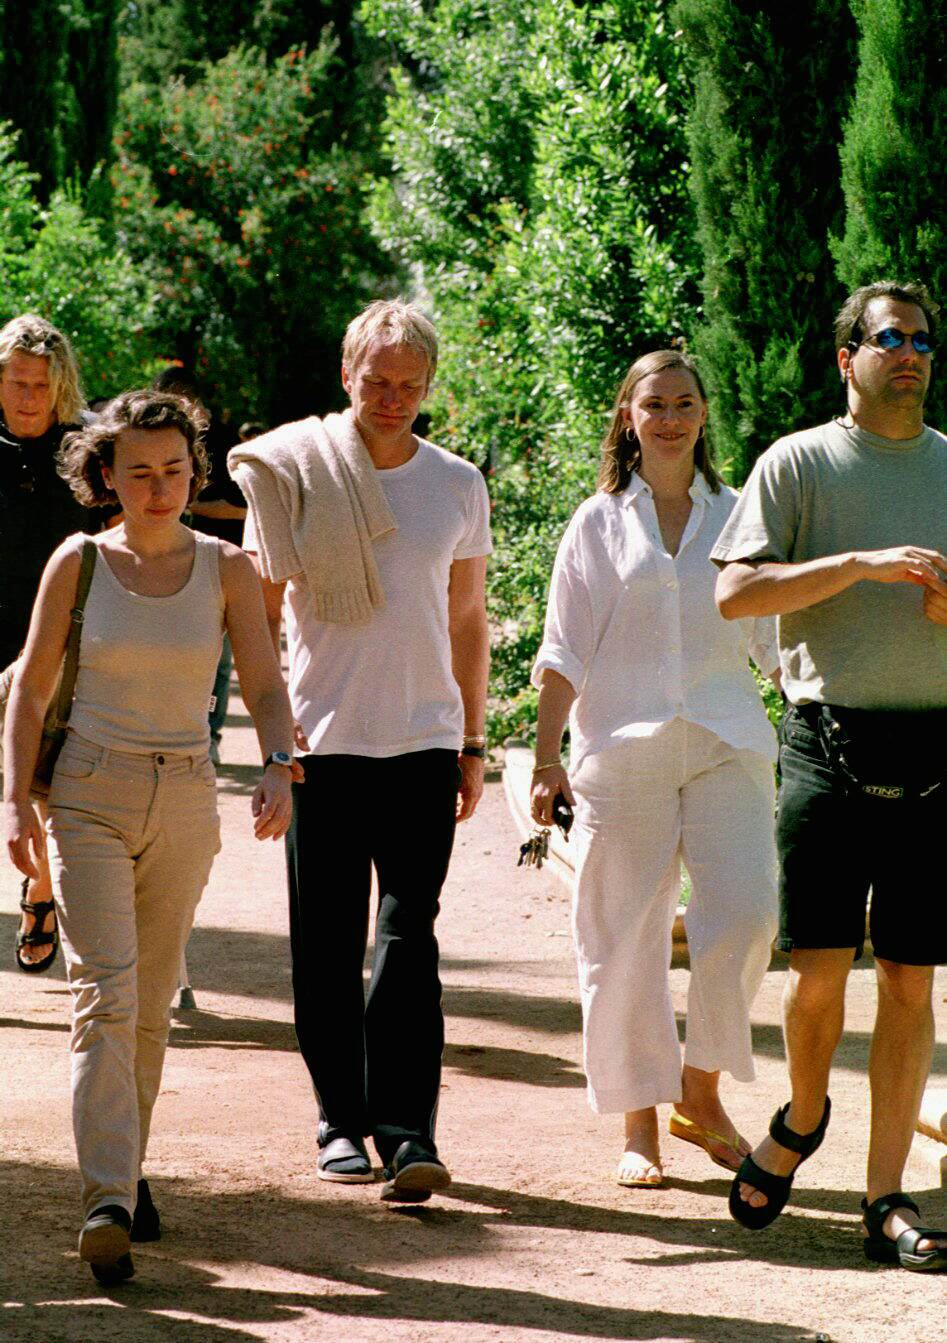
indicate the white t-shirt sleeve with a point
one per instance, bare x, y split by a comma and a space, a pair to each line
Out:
476, 536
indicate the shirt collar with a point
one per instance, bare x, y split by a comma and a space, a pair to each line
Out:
636, 486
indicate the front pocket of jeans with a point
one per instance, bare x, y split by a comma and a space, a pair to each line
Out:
76, 767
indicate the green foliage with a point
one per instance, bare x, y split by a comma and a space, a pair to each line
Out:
60, 263
772, 84
538, 191
893, 170
238, 188
32, 53
89, 96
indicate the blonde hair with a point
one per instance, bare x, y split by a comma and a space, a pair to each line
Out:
395, 322
30, 334
621, 451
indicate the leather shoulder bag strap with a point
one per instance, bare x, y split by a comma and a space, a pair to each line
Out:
70, 667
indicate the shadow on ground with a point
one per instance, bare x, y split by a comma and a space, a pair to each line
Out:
344, 1255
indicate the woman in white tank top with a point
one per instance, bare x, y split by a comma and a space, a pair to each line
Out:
133, 827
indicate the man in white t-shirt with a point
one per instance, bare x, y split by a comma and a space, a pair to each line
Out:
390, 714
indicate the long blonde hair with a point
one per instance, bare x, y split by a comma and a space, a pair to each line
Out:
30, 334
621, 451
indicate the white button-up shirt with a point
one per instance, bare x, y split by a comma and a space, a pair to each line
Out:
637, 633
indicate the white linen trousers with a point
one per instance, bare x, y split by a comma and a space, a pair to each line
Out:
643, 805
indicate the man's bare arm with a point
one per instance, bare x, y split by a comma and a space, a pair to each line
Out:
768, 588
470, 661
272, 602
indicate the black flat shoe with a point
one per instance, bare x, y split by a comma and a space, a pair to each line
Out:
881, 1249
105, 1244
414, 1173
146, 1224
344, 1161
775, 1187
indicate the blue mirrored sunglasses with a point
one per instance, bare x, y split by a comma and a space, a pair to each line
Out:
892, 339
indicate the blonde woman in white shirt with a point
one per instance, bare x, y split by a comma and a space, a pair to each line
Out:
671, 759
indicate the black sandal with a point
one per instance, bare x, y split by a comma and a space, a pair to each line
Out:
881, 1249
775, 1187
40, 911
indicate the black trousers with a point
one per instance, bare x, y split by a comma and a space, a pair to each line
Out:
375, 1063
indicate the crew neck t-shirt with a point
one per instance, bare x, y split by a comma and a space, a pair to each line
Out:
385, 686
828, 491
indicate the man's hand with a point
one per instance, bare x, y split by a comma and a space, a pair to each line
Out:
546, 784
935, 606
471, 785
300, 741
26, 842
904, 564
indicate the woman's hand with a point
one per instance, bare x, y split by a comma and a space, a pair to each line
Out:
546, 784
272, 803
24, 833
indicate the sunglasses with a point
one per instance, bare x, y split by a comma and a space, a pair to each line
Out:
892, 339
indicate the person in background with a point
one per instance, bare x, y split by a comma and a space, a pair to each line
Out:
40, 399
671, 758
219, 510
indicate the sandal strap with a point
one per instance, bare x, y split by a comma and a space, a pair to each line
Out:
35, 939
909, 1240
876, 1213
40, 911
804, 1144
775, 1187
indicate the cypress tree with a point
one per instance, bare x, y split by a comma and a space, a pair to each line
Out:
772, 84
32, 50
893, 170
90, 92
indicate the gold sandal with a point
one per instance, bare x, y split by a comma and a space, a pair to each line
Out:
679, 1126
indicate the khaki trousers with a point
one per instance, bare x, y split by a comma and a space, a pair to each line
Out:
131, 843
642, 806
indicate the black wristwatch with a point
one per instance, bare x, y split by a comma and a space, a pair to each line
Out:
479, 751
278, 758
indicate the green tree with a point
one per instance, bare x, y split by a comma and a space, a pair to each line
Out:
90, 89
32, 54
538, 190
893, 170
59, 261
238, 187
772, 86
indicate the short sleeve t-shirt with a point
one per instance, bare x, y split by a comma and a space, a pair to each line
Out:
828, 491
385, 686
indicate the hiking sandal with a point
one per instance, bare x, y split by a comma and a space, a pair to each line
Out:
40, 911
775, 1187
881, 1249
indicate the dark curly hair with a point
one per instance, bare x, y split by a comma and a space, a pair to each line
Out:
84, 452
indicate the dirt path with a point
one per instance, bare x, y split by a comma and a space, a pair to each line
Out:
534, 1242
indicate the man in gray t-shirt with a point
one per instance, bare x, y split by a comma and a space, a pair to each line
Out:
841, 531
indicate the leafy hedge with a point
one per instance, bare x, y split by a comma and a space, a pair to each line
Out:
60, 262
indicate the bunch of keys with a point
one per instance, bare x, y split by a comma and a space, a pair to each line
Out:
536, 849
